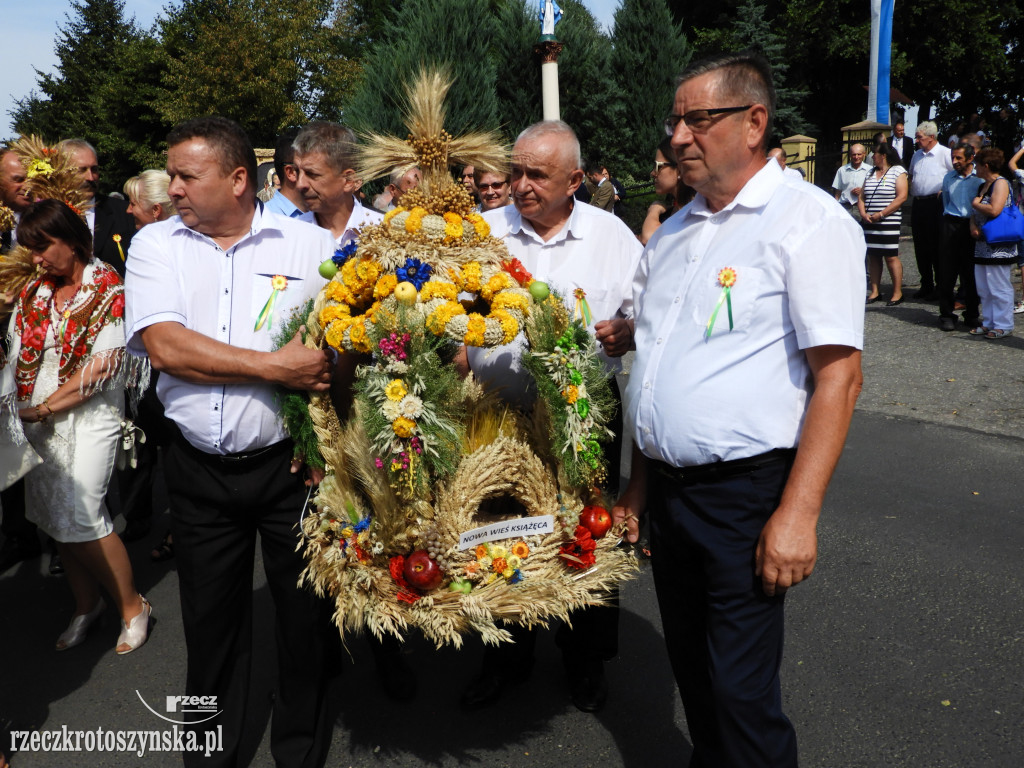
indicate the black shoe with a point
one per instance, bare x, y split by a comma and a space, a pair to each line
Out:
926, 294
947, 323
56, 565
135, 530
396, 677
895, 302
492, 683
14, 550
588, 687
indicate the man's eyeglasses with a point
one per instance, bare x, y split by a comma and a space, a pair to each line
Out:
699, 120
496, 186
658, 167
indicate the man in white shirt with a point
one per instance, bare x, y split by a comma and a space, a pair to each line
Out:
206, 292
929, 167
570, 246
849, 179
749, 309
327, 181
287, 200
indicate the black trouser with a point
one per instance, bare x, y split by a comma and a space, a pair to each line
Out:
956, 259
135, 485
925, 223
724, 635
217, 508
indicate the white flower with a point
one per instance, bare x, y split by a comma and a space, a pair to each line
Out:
411, 406
397, 367
391, 409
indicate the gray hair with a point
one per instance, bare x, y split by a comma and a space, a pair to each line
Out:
69, 146
745, 77
336, 142
928, 128
398, 173
555, 128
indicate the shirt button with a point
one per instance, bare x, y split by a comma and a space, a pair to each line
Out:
647, 385
676, 301
647, 430
223, 327
225, 291
659, 341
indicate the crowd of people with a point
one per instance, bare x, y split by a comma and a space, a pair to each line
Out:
176, 276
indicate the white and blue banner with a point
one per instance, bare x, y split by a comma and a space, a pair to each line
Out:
881, 59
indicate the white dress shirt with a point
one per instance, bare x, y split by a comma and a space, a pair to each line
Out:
928, 169
176, 274
799, 262
361, 217
594, 251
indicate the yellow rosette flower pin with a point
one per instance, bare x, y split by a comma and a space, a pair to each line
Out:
727, 279
278, 283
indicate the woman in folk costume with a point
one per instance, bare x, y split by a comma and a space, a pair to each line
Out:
70, 369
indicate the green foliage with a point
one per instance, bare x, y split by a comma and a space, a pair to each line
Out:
449, 33
106, 66
294, 405
650, 51
266, 63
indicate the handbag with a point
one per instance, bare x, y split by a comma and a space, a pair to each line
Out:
1007, 227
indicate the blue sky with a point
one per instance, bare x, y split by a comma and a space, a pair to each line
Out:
30, 30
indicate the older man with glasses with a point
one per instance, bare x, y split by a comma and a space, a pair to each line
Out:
928, 168
749, 315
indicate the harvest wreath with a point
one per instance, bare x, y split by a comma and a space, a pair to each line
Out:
443, 508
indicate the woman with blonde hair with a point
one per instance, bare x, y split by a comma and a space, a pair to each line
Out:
148, 200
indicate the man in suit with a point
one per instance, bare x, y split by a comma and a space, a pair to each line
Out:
904, 145
20, 540
111, 225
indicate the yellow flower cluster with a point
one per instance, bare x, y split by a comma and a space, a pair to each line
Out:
482, 228
571, 394
403, 427
509, 326
510, 301
396, 390
385, 287
453, 226
39, 167
475, 330
498, 282
469, 276
440, 317
436, 289
415, 220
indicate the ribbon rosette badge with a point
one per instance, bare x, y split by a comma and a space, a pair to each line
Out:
582, 310
278, 283
117, 242
727, 279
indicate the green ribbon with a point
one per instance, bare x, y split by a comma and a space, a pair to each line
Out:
726, 298
267, 313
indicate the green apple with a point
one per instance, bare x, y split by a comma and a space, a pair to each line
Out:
539, 290
328, 269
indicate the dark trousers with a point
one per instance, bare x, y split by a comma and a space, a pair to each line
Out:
925, 224
956, 259
724, 635
12, 503
135, 485
217, 508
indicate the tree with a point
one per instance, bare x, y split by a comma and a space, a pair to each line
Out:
105, 66
649, 52
449, 33
267, 64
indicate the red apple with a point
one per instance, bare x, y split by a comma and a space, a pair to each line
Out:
422, 571
596, 520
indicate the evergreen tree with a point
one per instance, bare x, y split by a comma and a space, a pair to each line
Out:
266, 63
455, 34
104, 64
649, 52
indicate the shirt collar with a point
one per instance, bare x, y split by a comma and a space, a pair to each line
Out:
755, 193
259, 223
573, 228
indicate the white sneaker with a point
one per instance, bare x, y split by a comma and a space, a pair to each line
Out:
1018, 307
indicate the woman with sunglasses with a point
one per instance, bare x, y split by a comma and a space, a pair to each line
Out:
885, 190
668, 186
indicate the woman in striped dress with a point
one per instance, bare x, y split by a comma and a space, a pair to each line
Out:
884, 191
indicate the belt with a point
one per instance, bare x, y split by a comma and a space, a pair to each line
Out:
231, 459
721, 470
928, 196
956, 218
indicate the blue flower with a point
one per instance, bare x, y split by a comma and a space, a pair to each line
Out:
516, 577
341, 255
415, 272
362, 525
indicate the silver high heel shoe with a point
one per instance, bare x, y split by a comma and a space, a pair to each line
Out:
135, 632
79, 627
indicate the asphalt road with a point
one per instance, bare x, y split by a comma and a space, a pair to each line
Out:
905, 649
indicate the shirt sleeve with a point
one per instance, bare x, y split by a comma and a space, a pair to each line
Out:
151, 290
825, 283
